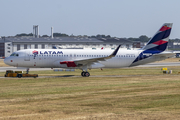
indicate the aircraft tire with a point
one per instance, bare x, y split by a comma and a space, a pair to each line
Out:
82, 74
85, 74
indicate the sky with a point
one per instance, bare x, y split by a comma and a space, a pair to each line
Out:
117, 18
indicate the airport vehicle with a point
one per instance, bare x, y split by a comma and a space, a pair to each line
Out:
19, 74
91, 59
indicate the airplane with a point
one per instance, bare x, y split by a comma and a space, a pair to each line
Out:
91, 59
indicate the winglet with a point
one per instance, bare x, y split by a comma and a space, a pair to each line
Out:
115, 52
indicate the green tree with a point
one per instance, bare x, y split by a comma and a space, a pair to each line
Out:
24, 34
45, 36
143, 38
60, 35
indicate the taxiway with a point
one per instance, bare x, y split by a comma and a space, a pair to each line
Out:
157, 64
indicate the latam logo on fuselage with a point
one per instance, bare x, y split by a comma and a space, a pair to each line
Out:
35, 52
47, 52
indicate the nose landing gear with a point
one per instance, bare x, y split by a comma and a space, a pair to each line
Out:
85, 74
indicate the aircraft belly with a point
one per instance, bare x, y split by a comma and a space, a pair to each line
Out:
117, 63
47, 62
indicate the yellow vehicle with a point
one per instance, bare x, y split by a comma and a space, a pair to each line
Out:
19, 74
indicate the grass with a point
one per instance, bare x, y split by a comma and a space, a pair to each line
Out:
129, 93
132, 93
107, 72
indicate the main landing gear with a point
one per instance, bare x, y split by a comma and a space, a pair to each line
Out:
85, 74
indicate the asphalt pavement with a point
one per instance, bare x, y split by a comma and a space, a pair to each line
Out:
157, 64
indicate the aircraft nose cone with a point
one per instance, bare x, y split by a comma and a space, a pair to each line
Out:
7, 61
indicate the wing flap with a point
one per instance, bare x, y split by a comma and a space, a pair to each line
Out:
69, 63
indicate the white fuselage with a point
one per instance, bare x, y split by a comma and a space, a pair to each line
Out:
51, 58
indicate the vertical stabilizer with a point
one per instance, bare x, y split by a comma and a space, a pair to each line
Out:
160, 40
157, 44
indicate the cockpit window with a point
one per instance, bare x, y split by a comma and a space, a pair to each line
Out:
14, 54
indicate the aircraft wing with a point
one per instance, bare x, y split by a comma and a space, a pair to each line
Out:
80, 63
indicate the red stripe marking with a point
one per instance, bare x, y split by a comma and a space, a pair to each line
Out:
160, 42
164, 28
69, 63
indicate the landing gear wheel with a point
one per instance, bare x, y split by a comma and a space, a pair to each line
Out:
85, 74
82, 74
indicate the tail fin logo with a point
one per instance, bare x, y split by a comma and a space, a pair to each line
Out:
164, 28
157, 44
160, 40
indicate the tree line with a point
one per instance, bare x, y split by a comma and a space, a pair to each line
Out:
142, 38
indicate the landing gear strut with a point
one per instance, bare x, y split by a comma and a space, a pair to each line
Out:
85, 74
